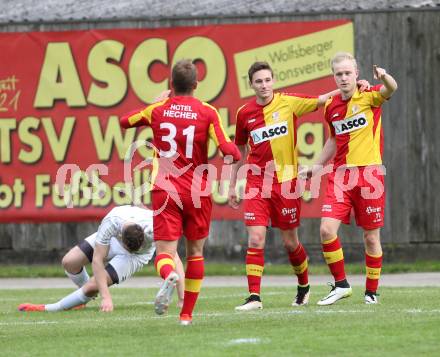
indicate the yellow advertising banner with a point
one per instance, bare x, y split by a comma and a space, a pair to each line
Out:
296, 60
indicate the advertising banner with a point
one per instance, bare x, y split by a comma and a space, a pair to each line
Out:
61, 95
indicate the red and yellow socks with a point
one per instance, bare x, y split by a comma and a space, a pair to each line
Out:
334, 257
373, 264
298, 259
164, 264
195, 269
254, 269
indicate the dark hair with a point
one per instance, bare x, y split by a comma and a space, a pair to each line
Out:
133, 237
258, 66
184, 76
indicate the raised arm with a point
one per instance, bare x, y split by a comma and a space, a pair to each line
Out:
133, 119
389, 83
141, 117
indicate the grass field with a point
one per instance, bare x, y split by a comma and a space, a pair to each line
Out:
405, 323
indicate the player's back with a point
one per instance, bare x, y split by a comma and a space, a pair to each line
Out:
181, 127
129, 213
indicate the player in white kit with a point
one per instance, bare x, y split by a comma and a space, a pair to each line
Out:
122, 245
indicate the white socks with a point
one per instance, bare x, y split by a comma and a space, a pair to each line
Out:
79, 279
74, 299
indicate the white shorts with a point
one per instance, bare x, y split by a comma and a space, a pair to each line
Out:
124, 263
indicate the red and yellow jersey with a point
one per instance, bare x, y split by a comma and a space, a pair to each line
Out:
182, 126
270, 131
356, 125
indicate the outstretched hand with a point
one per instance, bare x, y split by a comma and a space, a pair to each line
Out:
106, 305
363, 85
231, 152
378, 72
233, 199
162, 96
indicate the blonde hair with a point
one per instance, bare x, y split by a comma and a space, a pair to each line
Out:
342, 56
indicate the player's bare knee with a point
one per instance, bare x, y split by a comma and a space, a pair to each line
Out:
65, 262
372, 239
290, 246
74, 260
326, 232
195, 247
290, 240
194, 250
256, 240
69, 264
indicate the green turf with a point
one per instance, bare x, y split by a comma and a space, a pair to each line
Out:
405, 323
211, 269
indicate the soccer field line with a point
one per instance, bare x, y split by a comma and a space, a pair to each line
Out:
149, 303
251, 340
241, 295
232, 315
236, 295
23, 323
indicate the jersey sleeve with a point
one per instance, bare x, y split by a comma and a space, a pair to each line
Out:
376, 98
139, 117
241, 133
302, 104
327, 119
216, 130
133, 119
107, 229
221, 139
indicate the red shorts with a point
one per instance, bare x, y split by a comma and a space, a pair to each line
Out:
171, 221
283, 211
360, 188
